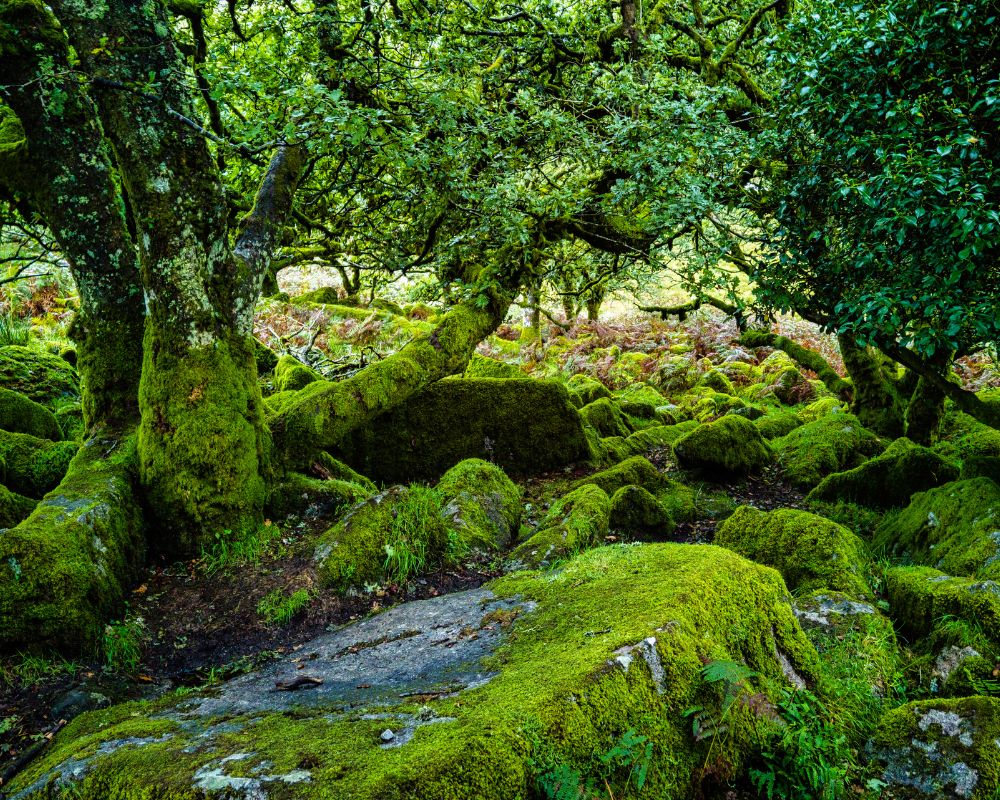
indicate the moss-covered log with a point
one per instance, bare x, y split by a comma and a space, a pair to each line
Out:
802, 356
32, 466
67, 568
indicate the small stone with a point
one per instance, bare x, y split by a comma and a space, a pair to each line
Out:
388, 735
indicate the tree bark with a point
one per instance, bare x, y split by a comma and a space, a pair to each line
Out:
876, 402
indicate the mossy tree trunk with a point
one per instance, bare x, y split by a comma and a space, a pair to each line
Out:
876, 402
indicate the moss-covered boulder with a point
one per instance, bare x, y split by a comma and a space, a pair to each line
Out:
480, 503
704, 404
777, 422
635, 471
490, 694
67, 568
584, 390
69, 415
315, 498
575, 522
290, 374
833, 443
921, 598
325, 295
18, 414
40, 376
820, 408
33, 466
483, 367
809, 551
889, 479
940, 748
265, 357
658, 437
605, 417
955, 528
524, 427
14, 507
731, 445
636, 511
715, 379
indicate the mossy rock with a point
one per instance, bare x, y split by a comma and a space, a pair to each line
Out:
859, 655
658, 437
809, 551
67, 568
484, 692
820, 408
714, 379
290, 374
705, 404
777, 423
279, 401
70, 418
481, 503
730, 446
634, 471
483, 367
981, 467
640, 394
18, 414
311, 497
939, 748
332, 468
606, 418
32, 466
14, 508
636, 511
265, 357
922, 598
522, 426
955, 528
584, 390
576, 522
40, 376
326, 295
889, 479
833, 443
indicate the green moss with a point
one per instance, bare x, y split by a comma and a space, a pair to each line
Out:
615, 643
326, 295
18, 414
14, 507
981, 467
731, 445
606, 418
71, 423
830, 444
204, 453
279, 401
575, 523
523, 426
290, 374
584, 390
777, 423
940, 748
481, 503
889, 479
265, 357
714, 379
304, 496
953, 527
820, 408
39, 376
482, 367
329, 467
640, 394
33, 466
13, 144
704, 404
657, 437
922, 597
635, 471
810, 552
67, 568
636, 511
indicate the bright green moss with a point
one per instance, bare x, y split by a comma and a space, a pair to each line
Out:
39, 376
326, 295
820, 408
657, 437
636, 511
67, 568
290, 374
14, 507
584, 390
922, 597
716, 380
482, 367
955, 527
809, 551
576, 522
33, 466
18, 414
705, 404
635, 471
640, 394
265, 357
606, 418
830, 444
13, 144
940, 748
523, 426
616, 642
301, 495
777, 423
889, 479
71, 423
481, 503
730, 445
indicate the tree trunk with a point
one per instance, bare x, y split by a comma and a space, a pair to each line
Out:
876, 402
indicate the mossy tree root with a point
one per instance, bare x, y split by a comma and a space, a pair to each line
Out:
804, 357
67, 568
325, 412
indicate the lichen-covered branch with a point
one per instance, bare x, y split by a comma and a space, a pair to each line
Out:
803, 356
683, 309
